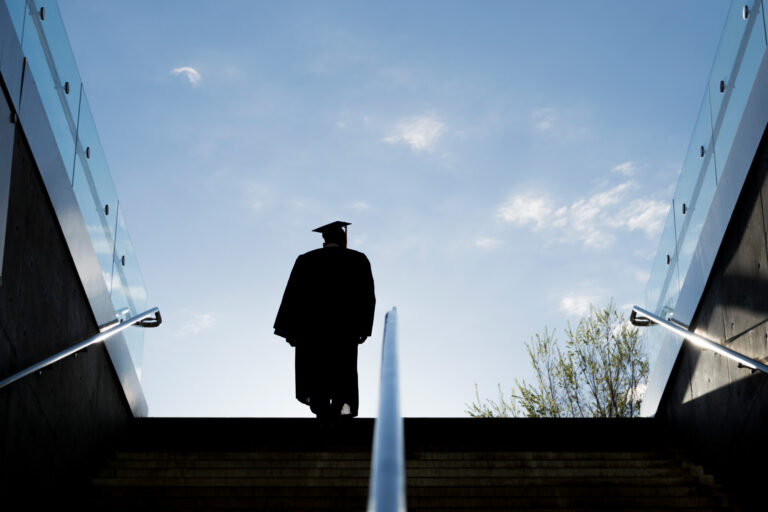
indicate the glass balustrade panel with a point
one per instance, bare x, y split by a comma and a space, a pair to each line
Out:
91, 157
727, 51
740, 85
661, 275
694, 218
56, 102
129, 296
697, 157
99, 221
63, 59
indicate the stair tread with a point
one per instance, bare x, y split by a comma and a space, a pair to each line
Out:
355, 463
330, 481
415, 491
437, 472
410, 454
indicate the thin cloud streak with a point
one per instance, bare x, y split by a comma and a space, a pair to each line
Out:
196, 324
190, 73
576, 305
488, 243
529, 208
544, 119
360, 206
625, 169
564, 124
593, 221
419, 133
646, 215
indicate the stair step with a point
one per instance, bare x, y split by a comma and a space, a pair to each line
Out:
541, 455
236, 464
412, 481
244, 455
437, 472
484, 507
410, 465
410, 455
294, 503
565, 502
300, 502
416, 492
562, 491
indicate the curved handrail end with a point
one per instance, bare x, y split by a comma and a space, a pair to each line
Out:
151, 322
638, 322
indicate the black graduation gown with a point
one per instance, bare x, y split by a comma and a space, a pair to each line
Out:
327, 309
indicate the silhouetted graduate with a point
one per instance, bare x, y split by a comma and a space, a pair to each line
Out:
327, 310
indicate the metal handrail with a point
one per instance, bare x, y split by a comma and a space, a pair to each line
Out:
387, 487
647, 317
141, 320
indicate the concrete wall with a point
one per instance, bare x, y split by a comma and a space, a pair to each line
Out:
719, 409
52, 425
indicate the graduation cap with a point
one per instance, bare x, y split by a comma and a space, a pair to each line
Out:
334, 232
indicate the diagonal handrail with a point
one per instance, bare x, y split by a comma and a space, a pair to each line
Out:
387, 488
141, 320
646, 318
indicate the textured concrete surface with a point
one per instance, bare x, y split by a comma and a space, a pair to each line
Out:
54, 425
719, 409
6, 154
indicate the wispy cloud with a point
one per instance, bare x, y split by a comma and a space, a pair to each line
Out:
644, 214
544, 119
587, 216
420, 133
196, 323
626, 168
190, 73
488, 244
565, 124
360, 206
577, 305
594, 220
531, 208
260, 196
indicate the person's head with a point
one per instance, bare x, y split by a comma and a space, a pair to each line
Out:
334, 233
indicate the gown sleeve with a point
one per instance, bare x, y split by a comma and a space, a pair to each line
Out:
289, 312
368, 299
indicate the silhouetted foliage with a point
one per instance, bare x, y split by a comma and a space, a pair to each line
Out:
601, 372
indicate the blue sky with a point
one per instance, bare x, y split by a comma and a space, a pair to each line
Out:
503, 165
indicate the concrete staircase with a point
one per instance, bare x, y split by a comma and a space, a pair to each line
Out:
451, 464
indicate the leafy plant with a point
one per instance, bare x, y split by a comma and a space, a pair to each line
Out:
601, 372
